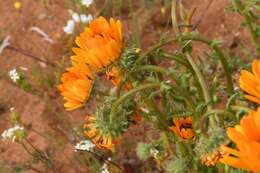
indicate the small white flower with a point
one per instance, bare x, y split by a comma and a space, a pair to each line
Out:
75, 17
104, 169
13, 75
10, 133
86, 18
69, 28
85, 145
154, 152
87, 3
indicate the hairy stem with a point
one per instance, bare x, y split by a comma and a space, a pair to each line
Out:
200, 78
130, 94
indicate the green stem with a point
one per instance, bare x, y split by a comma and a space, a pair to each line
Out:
152, 68
130, 94
239, 108
176, 58
197, 37
200, 77
248, 20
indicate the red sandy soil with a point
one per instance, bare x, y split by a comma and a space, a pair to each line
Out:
45, 113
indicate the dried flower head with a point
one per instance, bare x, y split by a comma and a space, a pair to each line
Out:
98, 137
213, 159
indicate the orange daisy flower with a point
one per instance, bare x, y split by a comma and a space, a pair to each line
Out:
246, 136
182, 127
76, 86
100, 44
98, 137
250, 82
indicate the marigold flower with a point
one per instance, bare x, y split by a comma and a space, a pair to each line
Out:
182, 127
98, 137
246, 136
250, 82
76, 86
100, 44
213, 159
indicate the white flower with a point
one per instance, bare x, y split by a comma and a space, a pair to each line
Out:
69, 28
10, 133
87, 3
154, 152
86, 18
104, 169
75, 17
14, 75
85, 145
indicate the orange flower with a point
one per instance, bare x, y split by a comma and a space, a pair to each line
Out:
76, 86
213, 159
246, 136
182, 127
250, 82
98, 137
100, 44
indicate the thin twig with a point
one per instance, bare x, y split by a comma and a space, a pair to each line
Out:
202, 15
102, 159
30, 56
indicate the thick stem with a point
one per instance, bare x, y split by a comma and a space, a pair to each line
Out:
248, 20
196, 37
152, 68
200, 78
130, 94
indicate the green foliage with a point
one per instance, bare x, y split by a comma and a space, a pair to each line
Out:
216, 137
178, 165
24, 84
143, 151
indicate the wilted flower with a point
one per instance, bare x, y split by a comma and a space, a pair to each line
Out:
69, 28
14, 75
98, 137
11, 133
182, 127
213, 159
85, 145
